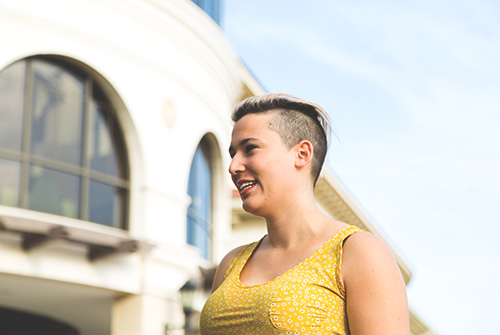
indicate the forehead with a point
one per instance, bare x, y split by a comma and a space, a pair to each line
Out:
252, 123
253, 126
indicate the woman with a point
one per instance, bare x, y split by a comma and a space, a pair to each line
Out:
310, 274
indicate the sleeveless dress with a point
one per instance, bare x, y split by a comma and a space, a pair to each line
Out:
307, 299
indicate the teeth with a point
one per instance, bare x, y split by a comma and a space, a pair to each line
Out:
244, 186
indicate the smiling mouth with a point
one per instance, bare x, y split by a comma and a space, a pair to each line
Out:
245, 186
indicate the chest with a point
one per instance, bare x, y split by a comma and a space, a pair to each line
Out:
305, 300
264, 266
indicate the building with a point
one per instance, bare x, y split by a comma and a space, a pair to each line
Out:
114, 119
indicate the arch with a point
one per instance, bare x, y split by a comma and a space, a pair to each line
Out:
204, 188
63, 146
23, 323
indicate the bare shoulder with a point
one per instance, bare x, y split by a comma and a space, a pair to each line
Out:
363, 242
365, 253
374, 286
224, 265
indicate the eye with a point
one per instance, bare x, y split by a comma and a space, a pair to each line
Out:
250, 147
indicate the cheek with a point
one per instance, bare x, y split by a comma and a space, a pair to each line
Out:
281, 164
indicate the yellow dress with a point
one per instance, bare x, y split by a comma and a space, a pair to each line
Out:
307, 299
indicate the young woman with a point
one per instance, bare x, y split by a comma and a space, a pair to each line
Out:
310, 274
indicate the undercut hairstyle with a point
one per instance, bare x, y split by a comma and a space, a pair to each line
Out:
296, 120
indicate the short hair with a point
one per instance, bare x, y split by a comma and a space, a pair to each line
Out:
296, 120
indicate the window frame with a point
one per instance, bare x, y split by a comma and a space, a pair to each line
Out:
93, 90
205, 149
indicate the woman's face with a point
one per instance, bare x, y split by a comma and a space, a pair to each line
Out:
262, 165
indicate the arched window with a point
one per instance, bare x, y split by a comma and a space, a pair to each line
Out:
22, 323
61, 148
199, 218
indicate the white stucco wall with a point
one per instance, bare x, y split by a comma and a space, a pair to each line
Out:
174, 79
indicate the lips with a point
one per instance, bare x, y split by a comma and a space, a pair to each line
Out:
245, 185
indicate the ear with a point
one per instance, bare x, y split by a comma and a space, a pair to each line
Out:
304, 153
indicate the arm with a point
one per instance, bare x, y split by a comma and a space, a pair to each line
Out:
375, 291
220, 273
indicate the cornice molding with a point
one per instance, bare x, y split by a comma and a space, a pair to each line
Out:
338, 203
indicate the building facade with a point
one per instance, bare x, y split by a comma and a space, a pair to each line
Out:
111, 112
114, 124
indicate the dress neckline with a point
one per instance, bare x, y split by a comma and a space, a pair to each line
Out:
253, 246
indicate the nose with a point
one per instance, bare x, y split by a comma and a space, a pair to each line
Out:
237, 165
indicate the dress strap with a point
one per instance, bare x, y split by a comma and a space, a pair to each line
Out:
342, 236
244, 253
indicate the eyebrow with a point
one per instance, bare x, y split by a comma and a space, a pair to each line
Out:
242, 142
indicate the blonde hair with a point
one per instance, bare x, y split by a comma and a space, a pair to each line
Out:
296, 120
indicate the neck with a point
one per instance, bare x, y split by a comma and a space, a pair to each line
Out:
301, 221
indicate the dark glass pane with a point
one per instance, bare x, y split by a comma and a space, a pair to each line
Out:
215, 15
211, 7
9, 182
200, 210
23, 323
53, 192
11, 106
106, 204
57, 113
104, 154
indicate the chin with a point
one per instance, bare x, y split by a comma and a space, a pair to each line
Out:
252, 208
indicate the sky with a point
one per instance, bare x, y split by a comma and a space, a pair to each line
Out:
413, 90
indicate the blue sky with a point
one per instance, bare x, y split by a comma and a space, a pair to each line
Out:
413, 89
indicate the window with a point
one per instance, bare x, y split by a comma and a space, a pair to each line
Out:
61, 148
23, 323
199, 218
211, 7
